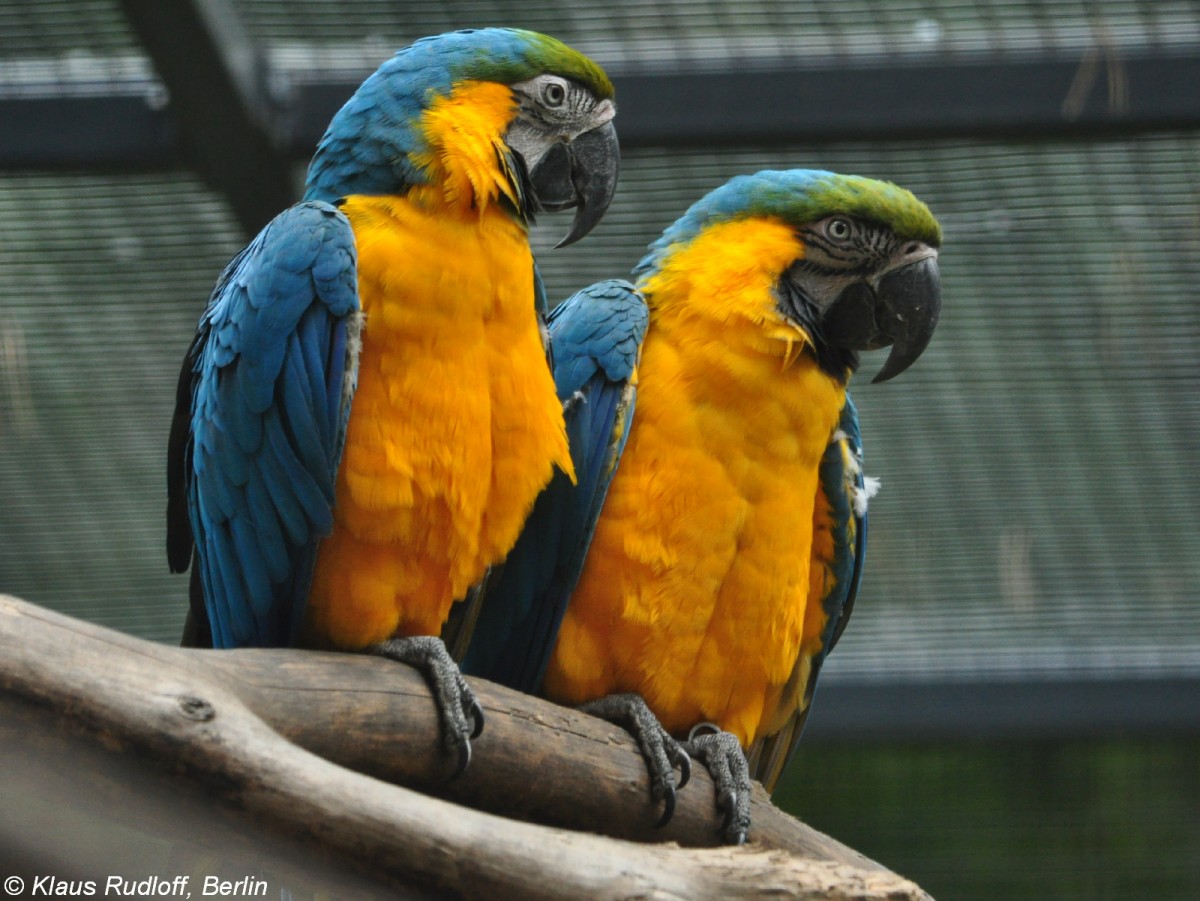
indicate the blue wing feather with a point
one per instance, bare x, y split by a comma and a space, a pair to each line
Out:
296, 417
267, 529
221, 566
845, 486
337, 410
595, 338
310, 363
260, 424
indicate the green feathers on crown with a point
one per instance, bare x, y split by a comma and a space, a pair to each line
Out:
541, 53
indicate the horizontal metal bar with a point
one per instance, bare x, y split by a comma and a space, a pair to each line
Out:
777, 104
1019, 98
1027, 710
88, 131
771, 104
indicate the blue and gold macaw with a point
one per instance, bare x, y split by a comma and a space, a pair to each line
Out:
366, 414
710, 572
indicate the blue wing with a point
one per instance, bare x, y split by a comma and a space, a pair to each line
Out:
847, 490
595, 339
840, 557
259, 426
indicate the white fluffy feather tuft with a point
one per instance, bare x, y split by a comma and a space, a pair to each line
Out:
869, 489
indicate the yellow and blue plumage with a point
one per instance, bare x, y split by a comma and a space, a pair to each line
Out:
367, 414
728, 549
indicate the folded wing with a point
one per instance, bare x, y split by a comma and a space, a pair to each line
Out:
259, 426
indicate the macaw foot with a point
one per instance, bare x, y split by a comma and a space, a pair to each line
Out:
460, 715
662, 752
725, 761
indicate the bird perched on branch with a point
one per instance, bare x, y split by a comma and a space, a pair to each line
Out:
691, 584
366, 413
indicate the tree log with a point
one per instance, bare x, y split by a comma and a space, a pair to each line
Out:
285, 737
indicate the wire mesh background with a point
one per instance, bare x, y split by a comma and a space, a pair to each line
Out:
1040, 506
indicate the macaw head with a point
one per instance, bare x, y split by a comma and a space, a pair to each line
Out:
851, 262
489, 114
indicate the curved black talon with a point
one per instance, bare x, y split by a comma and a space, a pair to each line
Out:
475, 714
725, 761
684, 762
464, 761
668, 808
459, 713
660, 750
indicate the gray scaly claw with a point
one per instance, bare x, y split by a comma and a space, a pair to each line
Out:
725, 761
459, 712
661, 751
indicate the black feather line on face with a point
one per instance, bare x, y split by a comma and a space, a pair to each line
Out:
822, 269
578, 103
870, 247
840, 252
836, 362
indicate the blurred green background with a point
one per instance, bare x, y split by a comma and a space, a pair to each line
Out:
1014, 711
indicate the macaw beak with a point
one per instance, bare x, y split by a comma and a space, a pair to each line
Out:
581, 174
900, 309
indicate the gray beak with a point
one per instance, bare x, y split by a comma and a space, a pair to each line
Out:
581, 174
901, 310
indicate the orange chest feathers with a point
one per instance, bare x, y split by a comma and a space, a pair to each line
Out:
454, 426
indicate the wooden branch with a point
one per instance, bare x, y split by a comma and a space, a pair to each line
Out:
239, 723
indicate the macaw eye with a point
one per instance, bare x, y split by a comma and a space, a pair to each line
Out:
553, 94
839, 229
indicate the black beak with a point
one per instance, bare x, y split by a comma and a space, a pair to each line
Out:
581, 174
901, 310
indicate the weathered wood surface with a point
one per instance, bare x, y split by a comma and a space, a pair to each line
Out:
267, 730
